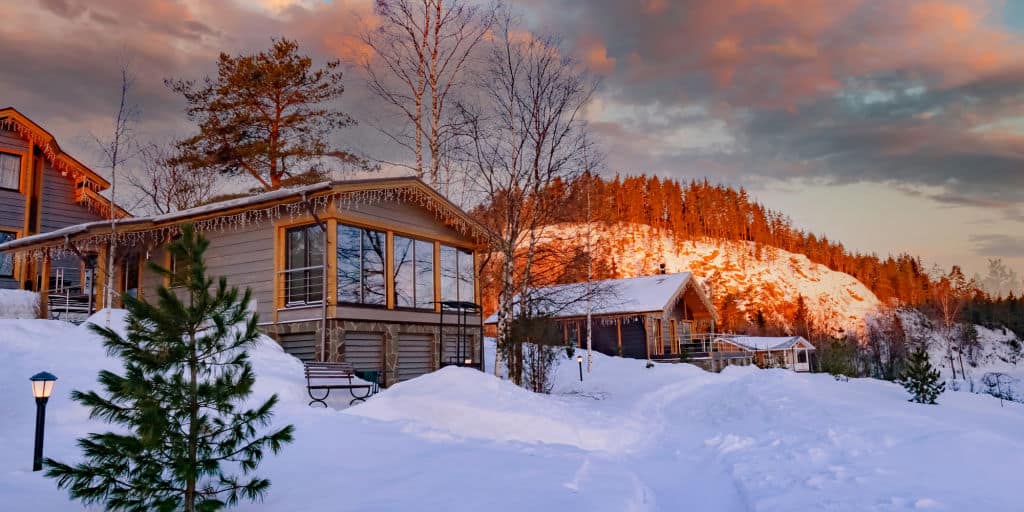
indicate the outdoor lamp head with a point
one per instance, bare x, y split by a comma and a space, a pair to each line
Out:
42, 384
579, 359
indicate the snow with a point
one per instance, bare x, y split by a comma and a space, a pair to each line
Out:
630, 295
19, 304
671, 437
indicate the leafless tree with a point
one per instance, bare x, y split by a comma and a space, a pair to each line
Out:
524, 131
421, 50
949, 295
166, 186
116, 150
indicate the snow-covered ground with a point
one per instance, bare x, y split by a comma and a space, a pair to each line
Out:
19, 304
628, 438
764, 278
999, 362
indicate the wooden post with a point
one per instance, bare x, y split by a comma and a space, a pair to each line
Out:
44, 289
389, 269
647, 334
99, 278
618, 329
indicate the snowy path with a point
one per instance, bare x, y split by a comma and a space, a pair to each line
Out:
627, 439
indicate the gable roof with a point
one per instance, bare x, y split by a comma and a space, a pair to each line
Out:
768, 343
31, 131
263, 206
618, 296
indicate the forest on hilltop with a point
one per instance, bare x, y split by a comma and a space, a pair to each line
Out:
699, 209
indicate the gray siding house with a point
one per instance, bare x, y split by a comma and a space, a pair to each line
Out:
381, 273
42, 189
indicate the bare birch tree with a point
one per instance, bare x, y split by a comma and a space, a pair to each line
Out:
524, 132
116, 150
421, 51
949, 294
166, 186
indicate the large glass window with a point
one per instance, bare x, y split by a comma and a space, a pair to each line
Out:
414, 273
304, 272
10, 170
457, 274
361, 254
424, 255
7, 259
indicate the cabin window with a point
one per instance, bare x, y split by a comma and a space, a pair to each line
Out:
361, 256
10, 171
304, 271
801, 356
414, 273
457, 274
6, 259
130, 275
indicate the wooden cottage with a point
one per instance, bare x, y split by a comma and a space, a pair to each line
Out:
651, 317
381, 273
792, 352
42, 189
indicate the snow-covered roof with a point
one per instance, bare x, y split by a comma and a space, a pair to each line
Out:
242, 203
615, 296
766, 343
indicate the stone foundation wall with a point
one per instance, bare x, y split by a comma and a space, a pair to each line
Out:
337, 328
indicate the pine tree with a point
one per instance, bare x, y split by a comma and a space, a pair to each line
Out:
184, 441
921, 379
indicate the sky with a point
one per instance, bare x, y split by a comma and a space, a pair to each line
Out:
890, 125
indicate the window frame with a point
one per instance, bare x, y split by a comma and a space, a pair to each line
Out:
307, 269
459, 253
14, 261
431, 305
361, 287
21, 169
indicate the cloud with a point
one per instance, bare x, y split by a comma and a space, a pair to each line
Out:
912, 93
916, 92
998, 245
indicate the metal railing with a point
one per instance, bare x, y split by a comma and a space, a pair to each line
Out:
66, 300
303, 286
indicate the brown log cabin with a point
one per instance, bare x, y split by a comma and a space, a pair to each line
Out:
664, 317
381, 273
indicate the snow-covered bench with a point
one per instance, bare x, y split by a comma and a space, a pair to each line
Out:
328, 376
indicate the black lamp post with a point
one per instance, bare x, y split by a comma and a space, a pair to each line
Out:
579, 360
42, 387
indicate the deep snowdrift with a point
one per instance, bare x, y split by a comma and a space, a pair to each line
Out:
628, 438
19, 304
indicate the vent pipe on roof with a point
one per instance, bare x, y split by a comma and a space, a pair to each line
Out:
661, 269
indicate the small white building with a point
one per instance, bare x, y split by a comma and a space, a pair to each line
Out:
792, 352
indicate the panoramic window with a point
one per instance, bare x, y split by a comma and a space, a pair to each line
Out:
304, 265
456, 274
10, 170
6, 259
361, 254
414, 273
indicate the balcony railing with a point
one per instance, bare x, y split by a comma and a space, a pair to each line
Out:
303, 286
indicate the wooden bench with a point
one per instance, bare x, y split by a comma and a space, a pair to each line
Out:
328, 376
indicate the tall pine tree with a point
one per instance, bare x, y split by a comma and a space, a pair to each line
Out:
185, 440
920, 379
